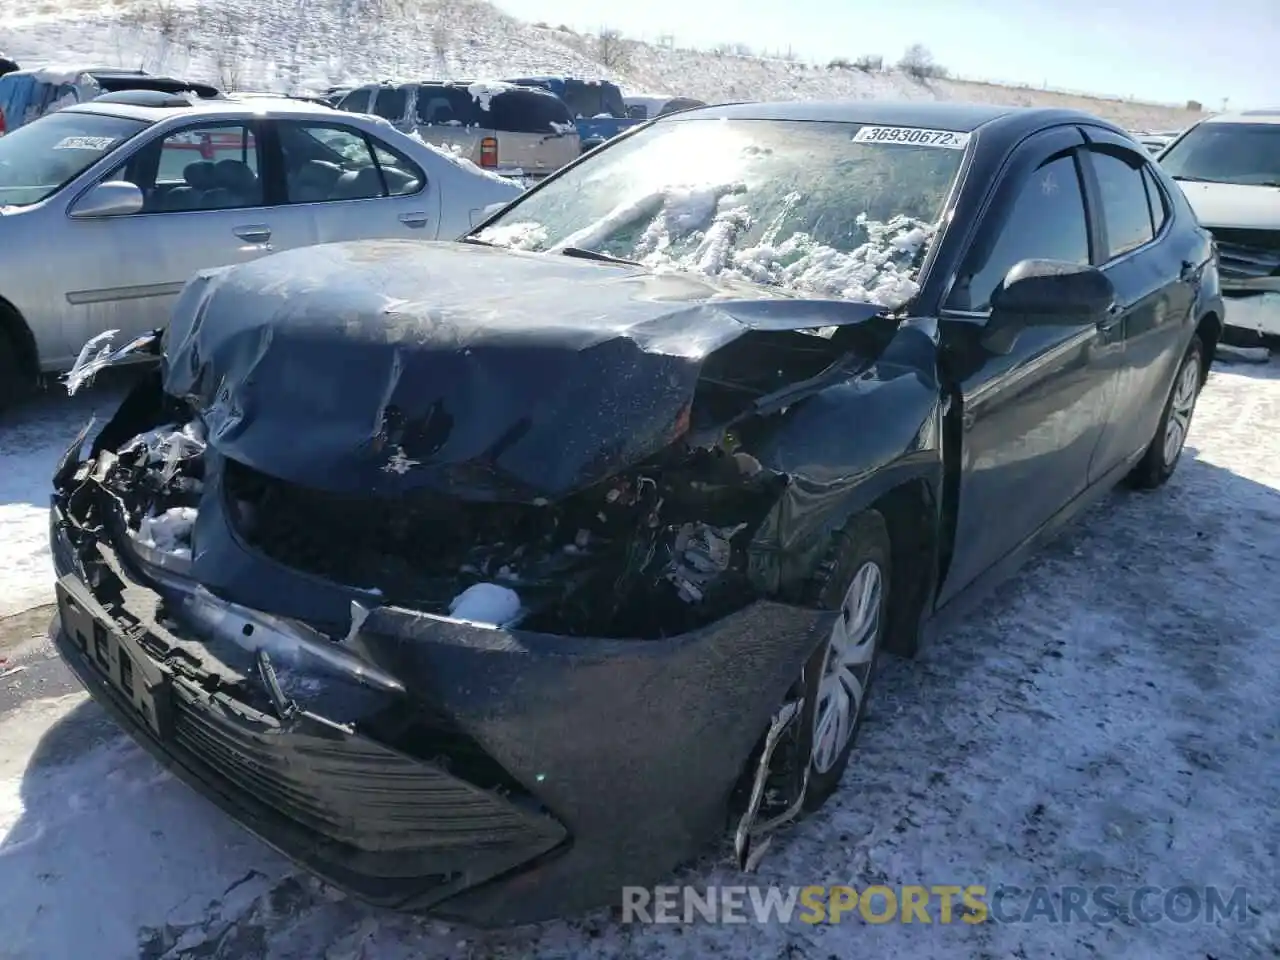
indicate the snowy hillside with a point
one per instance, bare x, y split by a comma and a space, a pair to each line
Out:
291, 44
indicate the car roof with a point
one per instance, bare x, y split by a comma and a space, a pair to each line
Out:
1248, 116
929, 114
229, 107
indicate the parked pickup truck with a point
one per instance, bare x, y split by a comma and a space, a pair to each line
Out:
597, 106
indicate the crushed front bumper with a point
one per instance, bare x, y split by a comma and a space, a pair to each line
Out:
614, 759
1255, 313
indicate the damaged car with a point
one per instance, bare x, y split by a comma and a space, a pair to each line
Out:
486, 577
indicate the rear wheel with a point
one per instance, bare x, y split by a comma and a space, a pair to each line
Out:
838, 677
1162, 456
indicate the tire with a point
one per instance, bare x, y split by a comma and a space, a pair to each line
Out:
859, 561
1165, 450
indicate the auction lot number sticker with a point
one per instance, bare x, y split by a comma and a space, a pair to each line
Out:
913, 137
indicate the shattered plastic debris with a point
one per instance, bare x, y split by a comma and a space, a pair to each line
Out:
400, 463
487, 603
97, 355
170, 445
701, 554
169, 532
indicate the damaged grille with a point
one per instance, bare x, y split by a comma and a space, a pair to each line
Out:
658, 551
1247, 254
350, 790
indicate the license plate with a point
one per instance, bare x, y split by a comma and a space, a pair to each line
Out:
115, 657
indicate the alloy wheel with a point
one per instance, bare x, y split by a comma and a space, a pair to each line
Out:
846, 670
1183, 405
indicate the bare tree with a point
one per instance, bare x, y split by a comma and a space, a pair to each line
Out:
918, 62
611, 49
440, 39
230, 43
869, 63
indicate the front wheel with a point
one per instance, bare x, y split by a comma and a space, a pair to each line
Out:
837, 678
1160, 460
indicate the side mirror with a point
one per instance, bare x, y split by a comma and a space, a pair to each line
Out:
115, 198
1040, 293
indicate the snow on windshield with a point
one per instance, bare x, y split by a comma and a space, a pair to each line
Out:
798, 206
697, 228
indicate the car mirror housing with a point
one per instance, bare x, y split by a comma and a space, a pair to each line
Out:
1046, 293
115, 198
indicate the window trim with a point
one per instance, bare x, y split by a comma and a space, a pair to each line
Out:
1107, 140
1091, 234
1118, 152
371, 142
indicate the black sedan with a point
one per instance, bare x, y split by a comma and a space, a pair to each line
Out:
487, 577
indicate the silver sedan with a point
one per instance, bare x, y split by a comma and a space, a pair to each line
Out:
108, 207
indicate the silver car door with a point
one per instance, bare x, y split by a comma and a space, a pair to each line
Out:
205, 206
353, 186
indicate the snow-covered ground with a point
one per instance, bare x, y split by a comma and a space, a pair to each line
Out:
1111, 717
30, 445
280, 44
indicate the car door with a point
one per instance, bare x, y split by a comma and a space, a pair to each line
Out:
340, 182
1030, 418
204, 206
1155, 293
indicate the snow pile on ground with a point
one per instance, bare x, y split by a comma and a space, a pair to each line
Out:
278, 45
1109, 717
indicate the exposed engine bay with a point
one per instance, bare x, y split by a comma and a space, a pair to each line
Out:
655, 551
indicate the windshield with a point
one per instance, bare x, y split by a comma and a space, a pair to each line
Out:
1241, 153
794, 204
39, 158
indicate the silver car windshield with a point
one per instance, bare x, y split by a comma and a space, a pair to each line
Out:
830, 209
40, 157
1247, 154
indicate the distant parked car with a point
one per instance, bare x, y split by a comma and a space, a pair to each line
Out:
26, 95
648, 106
503, 127
107, 208
1229, 168
7, 65
597, 106
1155, 142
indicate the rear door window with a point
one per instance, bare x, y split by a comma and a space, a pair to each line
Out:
524, 111
440, 105
1155, 198
357, 101
391, 103
1125, 208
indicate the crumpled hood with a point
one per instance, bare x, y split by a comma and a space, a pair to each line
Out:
1234, 206
380, 367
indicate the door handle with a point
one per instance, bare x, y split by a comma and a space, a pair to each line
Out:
416, 219
253, 232
1114, 314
